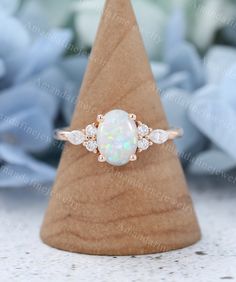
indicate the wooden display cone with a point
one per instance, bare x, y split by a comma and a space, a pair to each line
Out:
143, 207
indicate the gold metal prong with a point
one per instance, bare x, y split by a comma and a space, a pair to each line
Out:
101, 159
132, 116
133, 158
100, 118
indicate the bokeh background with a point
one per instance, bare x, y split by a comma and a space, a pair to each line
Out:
44, 50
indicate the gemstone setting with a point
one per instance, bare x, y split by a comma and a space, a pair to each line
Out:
159, 136
91, 130
143, 130
76, 137
117, 137
143, 144
91, 145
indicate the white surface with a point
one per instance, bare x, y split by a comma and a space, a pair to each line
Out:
24, 258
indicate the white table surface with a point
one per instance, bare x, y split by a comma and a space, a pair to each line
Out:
24, 258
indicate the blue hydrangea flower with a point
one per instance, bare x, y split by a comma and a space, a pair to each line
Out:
199, 95
32, 84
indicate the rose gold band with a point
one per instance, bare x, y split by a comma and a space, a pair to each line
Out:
63, 134
175, 133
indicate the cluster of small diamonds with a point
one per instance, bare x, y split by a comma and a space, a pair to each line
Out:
143, 140
147, 136
86, 137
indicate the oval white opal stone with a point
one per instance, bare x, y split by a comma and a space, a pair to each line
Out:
117, 137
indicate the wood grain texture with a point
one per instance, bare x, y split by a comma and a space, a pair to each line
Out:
143, 207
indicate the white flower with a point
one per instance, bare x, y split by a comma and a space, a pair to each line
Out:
209, 16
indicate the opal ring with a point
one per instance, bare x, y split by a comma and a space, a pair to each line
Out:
117, 137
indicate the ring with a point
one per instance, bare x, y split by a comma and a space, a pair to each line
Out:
117, 137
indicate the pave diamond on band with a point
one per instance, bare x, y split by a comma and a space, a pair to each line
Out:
117, 137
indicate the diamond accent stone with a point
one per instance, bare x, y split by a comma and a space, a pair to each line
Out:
91, 130
76, 137
91, 145
143, 144
143, 130
159, 136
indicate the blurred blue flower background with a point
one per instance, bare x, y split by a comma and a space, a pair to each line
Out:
44, 49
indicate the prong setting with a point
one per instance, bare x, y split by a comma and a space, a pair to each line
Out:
117, 137
91, 130
143, 130
101, 159
133, 158
100, 118
132, 116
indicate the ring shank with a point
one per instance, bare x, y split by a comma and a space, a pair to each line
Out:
175, 133
63, 134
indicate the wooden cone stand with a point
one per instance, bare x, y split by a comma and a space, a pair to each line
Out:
143, 207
